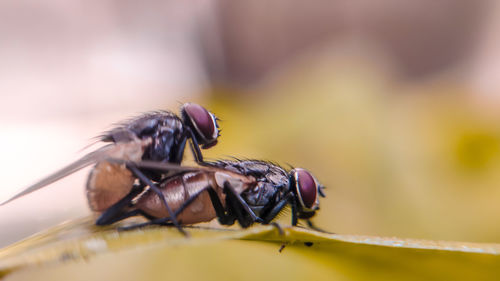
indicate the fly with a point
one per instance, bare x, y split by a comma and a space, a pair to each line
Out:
159, 136
246, 191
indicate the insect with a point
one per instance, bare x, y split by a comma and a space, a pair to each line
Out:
159, 136
246, 191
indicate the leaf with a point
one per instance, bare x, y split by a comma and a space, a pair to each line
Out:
79, 250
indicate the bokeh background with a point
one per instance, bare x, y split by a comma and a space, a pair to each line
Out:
393, 105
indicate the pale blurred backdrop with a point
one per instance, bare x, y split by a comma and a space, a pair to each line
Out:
393, 105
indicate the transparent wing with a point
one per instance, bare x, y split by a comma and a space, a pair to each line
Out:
89, 159
163, 166
112, 153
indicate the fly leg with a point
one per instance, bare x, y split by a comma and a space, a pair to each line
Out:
270, 215
224, 218
180, 150
278, 227
166, 220
153, 221
239, 207
156, 190
293, 203
108, 218
313, 227
117, 211
274, 211
195, 148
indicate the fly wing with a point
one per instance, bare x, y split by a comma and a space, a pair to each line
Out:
89, 159
166, 167
237, 181
117, 152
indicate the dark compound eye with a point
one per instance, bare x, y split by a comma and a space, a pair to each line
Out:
204, 123
307, 190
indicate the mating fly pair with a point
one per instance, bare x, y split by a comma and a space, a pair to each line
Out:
138, 173
247, 191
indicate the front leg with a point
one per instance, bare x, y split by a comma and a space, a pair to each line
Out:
180, 149
269, 216
313, 227
293, 203
195, 147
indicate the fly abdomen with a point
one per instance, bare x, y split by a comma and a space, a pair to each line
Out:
107, 184
177, 190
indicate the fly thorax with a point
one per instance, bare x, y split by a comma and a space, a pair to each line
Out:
259, 195
163, 142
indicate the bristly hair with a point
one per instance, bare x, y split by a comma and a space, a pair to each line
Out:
301, 224
240, 159
284, 212
289, 165
123, 124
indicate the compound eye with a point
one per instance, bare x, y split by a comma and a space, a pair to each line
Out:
203, 121
307, 189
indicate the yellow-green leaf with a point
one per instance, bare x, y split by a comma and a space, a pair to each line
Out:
81, 251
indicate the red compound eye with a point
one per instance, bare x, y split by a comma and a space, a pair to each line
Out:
203, 121
307, 190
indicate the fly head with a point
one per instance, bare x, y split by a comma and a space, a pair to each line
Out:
202, 122
307, 189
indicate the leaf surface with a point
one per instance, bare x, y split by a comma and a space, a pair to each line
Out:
78, 250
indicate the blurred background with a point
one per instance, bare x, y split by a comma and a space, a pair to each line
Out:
393, 105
